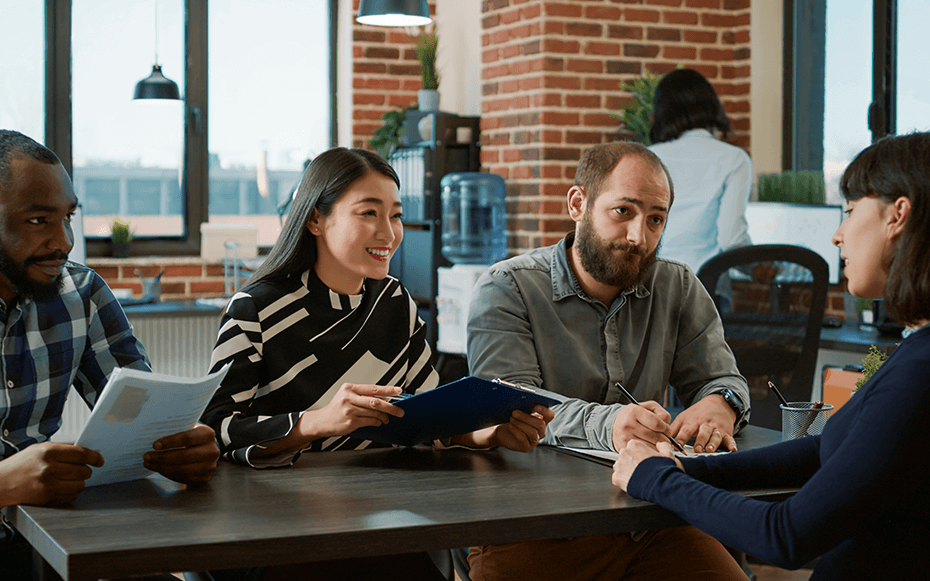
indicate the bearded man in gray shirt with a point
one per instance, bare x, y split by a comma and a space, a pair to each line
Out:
594, 310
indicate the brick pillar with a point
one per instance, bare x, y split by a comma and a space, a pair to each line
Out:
551, 73
385, 75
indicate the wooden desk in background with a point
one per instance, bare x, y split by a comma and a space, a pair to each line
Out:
339, 505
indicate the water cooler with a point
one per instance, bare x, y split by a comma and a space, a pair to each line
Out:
473, 238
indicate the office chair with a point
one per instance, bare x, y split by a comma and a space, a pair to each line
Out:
771, 299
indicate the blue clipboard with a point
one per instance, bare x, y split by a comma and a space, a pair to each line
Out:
459, 407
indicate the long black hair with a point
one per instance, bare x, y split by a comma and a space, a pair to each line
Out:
890, 168
322, 184
684, 100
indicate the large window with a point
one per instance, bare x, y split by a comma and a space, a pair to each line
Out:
913, 87
873, 82
256, 80
847, 87
123, 149
22, 53
268, 85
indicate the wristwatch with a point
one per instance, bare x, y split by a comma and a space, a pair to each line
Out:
734, 402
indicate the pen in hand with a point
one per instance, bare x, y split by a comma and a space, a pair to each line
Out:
632, 399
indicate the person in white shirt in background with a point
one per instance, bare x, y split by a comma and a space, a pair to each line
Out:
712, 178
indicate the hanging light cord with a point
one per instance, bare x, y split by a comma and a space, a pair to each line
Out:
156, 32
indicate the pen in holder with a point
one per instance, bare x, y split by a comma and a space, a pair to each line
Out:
799, 419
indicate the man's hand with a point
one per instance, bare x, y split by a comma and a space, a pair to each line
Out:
647, 422
46, 474
710, 421
629, 457
522, 433
189, 457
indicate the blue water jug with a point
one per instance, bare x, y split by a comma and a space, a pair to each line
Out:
473, 218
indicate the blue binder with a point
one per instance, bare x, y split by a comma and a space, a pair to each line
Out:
459, 407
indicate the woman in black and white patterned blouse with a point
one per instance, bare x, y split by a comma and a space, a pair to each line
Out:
322, 334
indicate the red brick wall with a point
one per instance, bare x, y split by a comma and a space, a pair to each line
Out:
551, 73
385, 75
185, 278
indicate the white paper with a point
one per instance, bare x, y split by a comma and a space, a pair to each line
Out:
612, 456
135, 409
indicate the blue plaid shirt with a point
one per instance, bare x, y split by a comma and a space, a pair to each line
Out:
76, 338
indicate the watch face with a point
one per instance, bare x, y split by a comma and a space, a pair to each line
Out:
734, 403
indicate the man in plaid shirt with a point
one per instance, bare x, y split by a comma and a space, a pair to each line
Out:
61, 326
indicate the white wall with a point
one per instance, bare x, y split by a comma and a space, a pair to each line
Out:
344, 72
458, 25
766, 33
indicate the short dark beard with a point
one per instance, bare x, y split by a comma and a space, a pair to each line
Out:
600, 259
18, 277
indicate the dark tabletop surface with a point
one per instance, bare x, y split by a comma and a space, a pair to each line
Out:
338, 505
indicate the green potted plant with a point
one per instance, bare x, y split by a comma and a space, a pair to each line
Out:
428, 96
387, 137
636, 116
120, 237
870, 365
800, 187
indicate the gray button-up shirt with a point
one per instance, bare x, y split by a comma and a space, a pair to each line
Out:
529, 322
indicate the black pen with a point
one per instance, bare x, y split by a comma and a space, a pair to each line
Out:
778, 394
632, 399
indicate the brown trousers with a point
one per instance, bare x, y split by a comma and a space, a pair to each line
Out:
667, 554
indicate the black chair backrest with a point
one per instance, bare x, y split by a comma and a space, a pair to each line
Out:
771, 299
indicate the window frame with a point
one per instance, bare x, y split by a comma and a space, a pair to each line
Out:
195, 180
804, 76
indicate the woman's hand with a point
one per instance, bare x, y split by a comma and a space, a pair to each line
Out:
636, 451
354, 406
522, 433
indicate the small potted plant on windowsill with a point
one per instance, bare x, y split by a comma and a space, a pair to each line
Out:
120, 237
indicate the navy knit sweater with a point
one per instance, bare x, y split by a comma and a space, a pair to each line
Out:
863, 506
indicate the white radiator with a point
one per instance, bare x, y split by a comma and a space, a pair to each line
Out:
177, 345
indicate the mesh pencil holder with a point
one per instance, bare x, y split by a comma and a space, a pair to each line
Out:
799, 419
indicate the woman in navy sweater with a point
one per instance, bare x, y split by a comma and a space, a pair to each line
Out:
862, 504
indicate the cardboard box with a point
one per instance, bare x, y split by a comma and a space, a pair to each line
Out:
838, 385
242, 238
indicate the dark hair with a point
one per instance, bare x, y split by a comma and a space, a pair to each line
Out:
597, 163
14, 144
891, 168
322, 184
685, 100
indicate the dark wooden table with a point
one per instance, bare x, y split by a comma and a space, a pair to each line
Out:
850, 337
338, 505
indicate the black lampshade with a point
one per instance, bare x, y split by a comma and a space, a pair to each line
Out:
157, 86
393, 12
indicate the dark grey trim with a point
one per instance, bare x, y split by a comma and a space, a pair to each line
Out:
883, 110
58, 79
787, 100
808, 63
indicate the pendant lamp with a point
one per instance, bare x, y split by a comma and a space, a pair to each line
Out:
156, 85
393, 12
